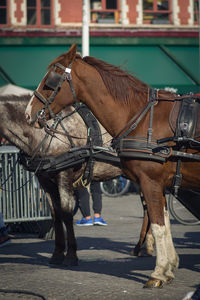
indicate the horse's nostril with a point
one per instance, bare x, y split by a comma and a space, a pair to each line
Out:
27, 116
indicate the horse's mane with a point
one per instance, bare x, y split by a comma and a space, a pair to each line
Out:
120, 84
56, 60
59, 59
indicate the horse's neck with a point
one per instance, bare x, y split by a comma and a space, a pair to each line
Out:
112, 114
13, 126
15, 129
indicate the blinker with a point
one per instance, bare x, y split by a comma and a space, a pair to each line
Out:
53, 80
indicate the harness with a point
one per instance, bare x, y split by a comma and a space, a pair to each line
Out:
145, 148
185, 132
76, 156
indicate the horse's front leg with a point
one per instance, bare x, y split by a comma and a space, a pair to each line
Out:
52, 193
67, 205
166, 257
145, 245
172, 255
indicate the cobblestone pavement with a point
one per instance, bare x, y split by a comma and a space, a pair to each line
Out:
106, 270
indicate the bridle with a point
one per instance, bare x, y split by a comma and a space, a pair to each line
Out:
54, 82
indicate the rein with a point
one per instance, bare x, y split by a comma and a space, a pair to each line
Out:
52, 131
179, 97
32, 158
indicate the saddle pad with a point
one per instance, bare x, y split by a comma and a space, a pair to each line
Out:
174, 116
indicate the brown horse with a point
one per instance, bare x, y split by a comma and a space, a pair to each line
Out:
123, 105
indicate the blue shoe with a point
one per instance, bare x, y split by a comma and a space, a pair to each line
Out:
99, 221
84, 222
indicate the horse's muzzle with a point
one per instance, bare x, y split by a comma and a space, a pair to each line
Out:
41, 122
37, 123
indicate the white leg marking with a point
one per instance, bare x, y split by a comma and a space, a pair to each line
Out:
171, 252
161, 252
149, 244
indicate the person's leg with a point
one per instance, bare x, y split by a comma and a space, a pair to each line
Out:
97, 203
84, 203
96, 198
1, 221
3, 230
4, 238
84, 200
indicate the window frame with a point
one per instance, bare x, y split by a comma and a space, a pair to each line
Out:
38, 16
155, 11
7, 6
196, 13
104, 10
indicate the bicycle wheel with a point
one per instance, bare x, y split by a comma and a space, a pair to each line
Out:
180, 213
115, 187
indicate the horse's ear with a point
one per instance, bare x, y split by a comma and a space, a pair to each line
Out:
71, 54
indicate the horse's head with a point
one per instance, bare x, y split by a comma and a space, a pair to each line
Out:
55, 91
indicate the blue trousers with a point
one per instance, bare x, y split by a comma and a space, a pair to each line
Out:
84, 198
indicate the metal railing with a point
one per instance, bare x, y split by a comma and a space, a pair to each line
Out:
21, 197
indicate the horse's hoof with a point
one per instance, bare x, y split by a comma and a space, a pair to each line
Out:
153, 283
57, 259
140, 252
134, 252
169, 280
144, 253
70, 261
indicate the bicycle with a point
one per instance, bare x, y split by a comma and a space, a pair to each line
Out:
120, 185
115, 187
180, 213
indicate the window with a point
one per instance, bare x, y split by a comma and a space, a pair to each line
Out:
39, 13
3, 12
104, 11
196, 11
157, 11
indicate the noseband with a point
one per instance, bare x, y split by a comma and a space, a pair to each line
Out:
54, 82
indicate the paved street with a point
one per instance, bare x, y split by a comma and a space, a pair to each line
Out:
106, 270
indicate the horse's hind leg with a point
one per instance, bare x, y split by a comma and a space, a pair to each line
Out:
145, 245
